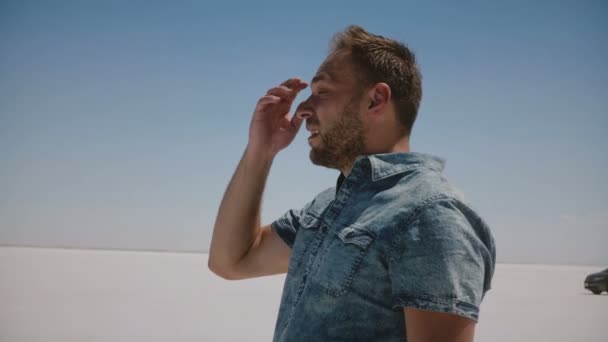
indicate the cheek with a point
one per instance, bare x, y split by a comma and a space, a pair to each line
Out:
326, 122
327, 115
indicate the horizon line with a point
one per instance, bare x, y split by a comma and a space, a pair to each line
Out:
159, 250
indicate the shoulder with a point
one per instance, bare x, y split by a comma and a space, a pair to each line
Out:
444, 224
427, 205
444, 209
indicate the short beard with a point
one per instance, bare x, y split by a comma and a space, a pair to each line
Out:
343, 143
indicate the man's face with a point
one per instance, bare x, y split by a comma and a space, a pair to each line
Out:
334, 115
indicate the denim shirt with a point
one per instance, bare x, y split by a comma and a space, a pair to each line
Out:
392, 234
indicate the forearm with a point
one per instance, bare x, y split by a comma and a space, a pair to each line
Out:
238, 218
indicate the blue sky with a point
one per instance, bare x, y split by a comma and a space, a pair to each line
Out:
121, 123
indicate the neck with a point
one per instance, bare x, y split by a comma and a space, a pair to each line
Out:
400, 146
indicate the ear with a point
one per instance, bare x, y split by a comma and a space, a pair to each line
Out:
379, 97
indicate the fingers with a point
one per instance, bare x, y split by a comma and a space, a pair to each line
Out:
268, 99
296, 121
283, 94
295, 83
289, 89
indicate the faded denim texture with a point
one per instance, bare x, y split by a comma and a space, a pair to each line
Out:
392, 234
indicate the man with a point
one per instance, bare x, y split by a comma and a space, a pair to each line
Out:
392, 253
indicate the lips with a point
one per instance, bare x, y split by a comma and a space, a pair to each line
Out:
313, 133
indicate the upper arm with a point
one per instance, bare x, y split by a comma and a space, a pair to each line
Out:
268, 255
429, 326
270, 251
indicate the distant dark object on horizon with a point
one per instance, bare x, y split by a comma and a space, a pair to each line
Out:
597, 282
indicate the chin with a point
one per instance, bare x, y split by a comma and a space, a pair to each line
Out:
318, 159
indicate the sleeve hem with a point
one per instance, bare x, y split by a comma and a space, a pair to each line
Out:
437, 304
281, 233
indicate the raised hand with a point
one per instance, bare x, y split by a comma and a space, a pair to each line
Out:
272, 127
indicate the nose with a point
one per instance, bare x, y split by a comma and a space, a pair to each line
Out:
304, 110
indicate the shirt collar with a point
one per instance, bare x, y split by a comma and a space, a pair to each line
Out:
388, 164
384, 165
339, 182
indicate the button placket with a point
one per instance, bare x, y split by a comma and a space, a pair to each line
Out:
315, 245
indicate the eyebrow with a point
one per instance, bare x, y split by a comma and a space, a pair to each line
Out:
322, 76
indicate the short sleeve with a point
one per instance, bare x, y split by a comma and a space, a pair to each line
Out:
442, 259
287, 226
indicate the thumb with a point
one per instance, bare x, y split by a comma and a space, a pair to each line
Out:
296, 122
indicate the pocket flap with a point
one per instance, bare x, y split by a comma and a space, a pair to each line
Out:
356, 235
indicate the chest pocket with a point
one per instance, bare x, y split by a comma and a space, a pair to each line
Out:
342, 259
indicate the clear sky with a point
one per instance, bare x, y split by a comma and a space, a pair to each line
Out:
121, 122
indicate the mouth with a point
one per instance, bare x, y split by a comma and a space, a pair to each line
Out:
313, 134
